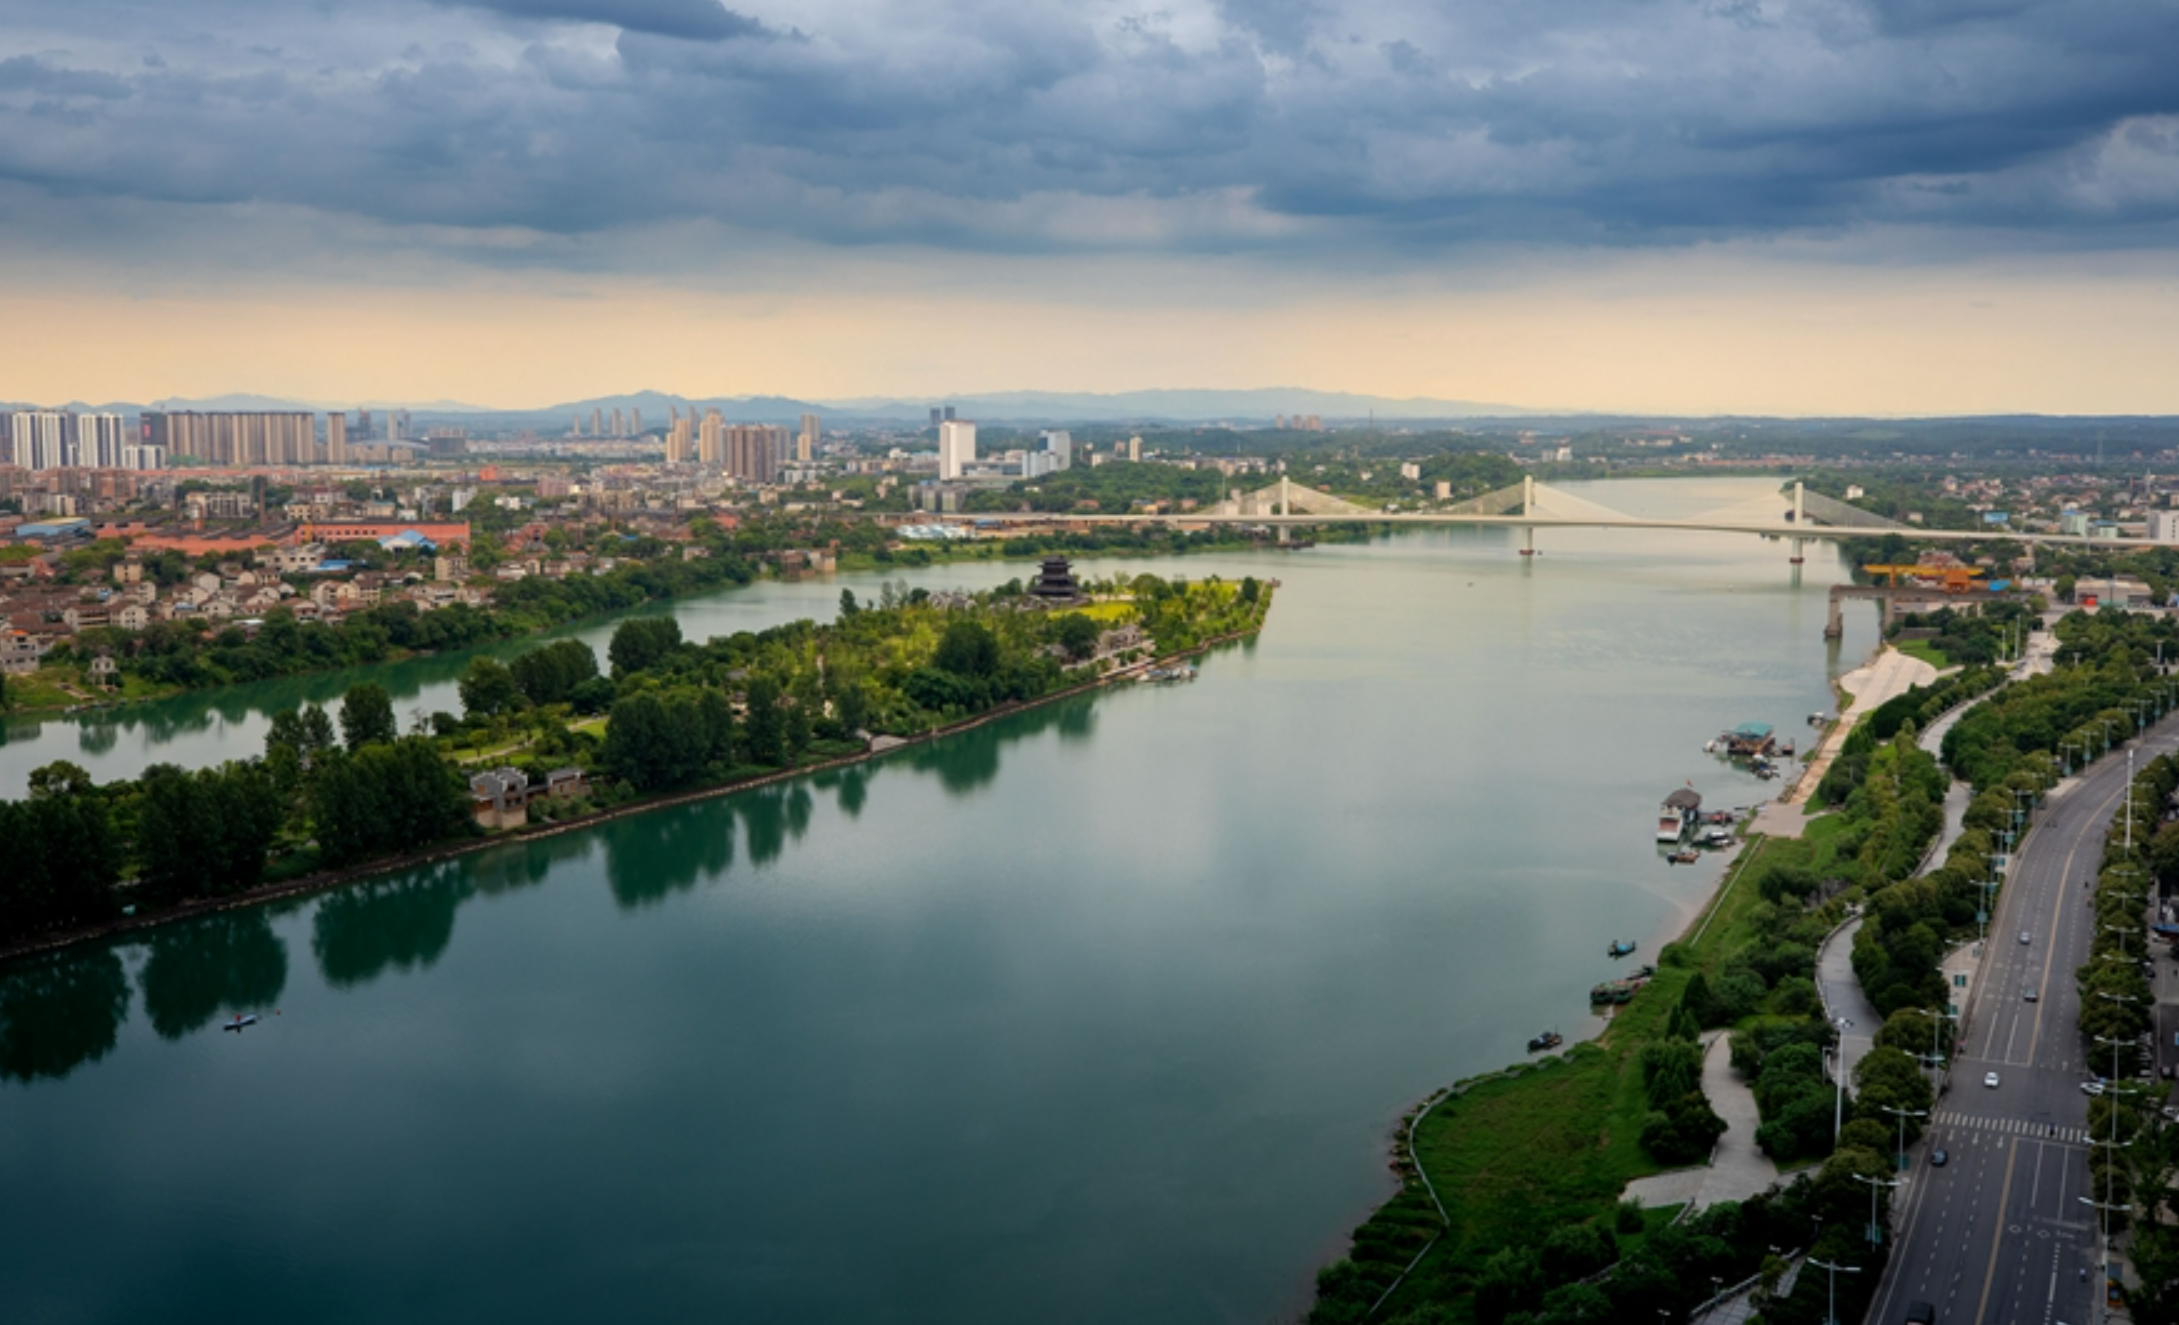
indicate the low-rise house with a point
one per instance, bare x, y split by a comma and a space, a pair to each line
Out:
500, 798
132, 616
20, 652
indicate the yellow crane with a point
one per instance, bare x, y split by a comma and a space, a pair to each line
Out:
1954, 579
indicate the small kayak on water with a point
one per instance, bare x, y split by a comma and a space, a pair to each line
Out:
236, 1024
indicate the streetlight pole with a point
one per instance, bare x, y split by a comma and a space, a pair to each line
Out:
1902, 1115
1831, 1303
1838, 1084
2103, 1218
1876, 1234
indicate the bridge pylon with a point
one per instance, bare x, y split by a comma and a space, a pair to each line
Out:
1800, 513
1528, 507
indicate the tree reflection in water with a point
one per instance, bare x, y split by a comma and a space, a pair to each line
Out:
58, 1012
648, 856
404, 922
230, 961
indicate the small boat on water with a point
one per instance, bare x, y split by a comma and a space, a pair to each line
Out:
1614, 991
238, 1022
1678, 814
1547, 1040
1182, 672
1687, 857
1621, 947
1716, 835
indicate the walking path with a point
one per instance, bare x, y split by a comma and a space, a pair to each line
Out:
1890, 674
1737, 1169
1843, 1002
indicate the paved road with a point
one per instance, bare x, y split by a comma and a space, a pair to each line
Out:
1999, 1236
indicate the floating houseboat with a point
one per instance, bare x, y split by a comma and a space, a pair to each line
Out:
1547, 1040
1679, 813
1749, 740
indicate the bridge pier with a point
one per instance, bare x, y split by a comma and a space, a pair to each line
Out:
1835, 624
1528, 540
1796, 559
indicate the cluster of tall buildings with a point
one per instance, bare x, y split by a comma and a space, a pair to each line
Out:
64, 439
957, 458
751, 452
620, 424
269, 437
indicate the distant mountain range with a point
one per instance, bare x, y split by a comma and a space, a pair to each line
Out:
1252, 406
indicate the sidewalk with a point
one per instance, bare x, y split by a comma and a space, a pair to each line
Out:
1737, 1169
1848, 1008
1888, 675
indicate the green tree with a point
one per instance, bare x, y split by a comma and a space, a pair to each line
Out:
550, 675
366, 716
764, 730
967, 649
61, 855
641, 642
489, 688
1075, 634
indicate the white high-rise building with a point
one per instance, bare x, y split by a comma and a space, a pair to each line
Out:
37, 441
1061, 446
99, 441
956, 447
2164, 526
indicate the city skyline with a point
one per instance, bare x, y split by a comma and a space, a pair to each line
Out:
1825, 209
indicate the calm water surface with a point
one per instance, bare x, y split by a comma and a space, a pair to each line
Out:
1098, 1014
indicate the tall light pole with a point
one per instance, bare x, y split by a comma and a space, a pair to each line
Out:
1837, 1053
2129, 801
1831, 1303
2103, 1268
1902, 1115
1876, 1233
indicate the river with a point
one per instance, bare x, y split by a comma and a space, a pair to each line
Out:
1098, 1013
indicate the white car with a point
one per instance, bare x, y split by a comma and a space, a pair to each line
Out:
2025, 938
2091, 1088
1990, 1079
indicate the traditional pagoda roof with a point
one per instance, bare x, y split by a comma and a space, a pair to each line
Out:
1056, 581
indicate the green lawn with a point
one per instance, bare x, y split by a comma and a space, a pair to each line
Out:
1554, 1142
1926, 651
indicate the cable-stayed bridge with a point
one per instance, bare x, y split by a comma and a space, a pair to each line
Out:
1795, 514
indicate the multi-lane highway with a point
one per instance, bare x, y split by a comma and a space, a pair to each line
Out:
1998, 1236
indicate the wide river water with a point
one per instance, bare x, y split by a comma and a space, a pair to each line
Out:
1101, 1013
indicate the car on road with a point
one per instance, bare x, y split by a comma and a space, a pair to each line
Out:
2031, 995
2025, 937
2092, 1088
1921, 1313
1937, 1159
1990, 1079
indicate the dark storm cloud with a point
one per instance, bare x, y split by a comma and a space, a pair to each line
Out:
691, 20
1281, 125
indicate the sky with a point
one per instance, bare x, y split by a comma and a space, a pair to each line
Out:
1724, 206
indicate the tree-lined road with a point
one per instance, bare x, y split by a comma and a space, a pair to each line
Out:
1999, 1236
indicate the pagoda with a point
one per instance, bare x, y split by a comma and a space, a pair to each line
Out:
1055, 583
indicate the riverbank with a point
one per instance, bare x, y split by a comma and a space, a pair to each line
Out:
326, 880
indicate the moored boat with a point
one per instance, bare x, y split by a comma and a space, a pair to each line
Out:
1621, 947
1547, 1040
